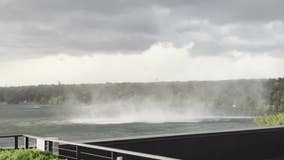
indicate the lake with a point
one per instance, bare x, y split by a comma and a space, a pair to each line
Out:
59, 121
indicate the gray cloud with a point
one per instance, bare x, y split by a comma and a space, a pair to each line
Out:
36, 28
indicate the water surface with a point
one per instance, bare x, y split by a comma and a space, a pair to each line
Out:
54, 121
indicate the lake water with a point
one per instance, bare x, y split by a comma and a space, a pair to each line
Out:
57, 121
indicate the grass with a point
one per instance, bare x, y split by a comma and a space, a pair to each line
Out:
270, 120
26, 154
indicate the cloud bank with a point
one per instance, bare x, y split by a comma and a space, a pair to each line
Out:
161, 62
32, 28
97, 41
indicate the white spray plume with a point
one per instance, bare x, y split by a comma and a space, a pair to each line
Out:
145, 112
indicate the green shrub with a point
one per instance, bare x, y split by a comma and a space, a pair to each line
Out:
28, 154
270, 120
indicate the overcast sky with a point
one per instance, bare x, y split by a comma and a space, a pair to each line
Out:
95, 41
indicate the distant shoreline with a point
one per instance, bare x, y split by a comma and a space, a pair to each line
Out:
250, 95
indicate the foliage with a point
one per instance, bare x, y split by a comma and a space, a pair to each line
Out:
28, 154
277, 95
270, 120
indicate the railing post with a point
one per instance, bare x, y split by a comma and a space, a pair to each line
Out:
26, 142
112, 157
50, 146
40, 144
115, 156
119, 158
16, 140
45, 145
77, 153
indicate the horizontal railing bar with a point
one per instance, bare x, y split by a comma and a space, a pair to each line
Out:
9, 148
63, 149
33, 137
10, 136
74, 151
95, 155
138, 154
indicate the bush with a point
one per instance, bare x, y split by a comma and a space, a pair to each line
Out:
26, 154
270, 120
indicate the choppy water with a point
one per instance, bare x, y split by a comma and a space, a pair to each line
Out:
56, 121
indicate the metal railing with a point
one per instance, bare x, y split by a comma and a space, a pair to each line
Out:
7, 141
77, 151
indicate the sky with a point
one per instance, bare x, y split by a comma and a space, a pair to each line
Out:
94, 41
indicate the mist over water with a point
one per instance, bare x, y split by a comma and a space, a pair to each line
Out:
144, 112
115, 113
167, 103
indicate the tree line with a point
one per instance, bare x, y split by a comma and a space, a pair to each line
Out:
246, 95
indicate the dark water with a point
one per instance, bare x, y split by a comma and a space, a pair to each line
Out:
53, 121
